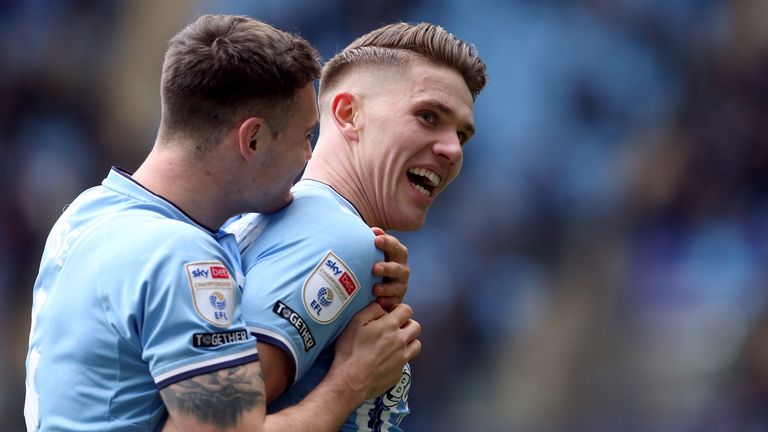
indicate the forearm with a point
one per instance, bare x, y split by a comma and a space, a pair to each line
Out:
368, 359
323, 409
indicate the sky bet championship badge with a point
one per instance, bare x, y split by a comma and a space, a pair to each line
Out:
329, 289
212, 291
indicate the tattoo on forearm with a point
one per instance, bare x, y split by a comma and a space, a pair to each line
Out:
219, 398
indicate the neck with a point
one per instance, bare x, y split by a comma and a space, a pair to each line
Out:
335, 166
192, 184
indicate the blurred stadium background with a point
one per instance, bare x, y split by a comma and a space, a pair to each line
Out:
600, 264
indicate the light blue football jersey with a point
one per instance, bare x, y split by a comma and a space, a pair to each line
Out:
307, 273
132, 295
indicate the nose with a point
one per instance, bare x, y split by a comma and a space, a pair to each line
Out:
308, 151
449, 148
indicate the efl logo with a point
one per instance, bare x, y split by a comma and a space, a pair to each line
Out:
219, 272
347, 283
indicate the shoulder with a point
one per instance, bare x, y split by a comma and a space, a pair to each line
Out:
151, 228
328, 214
328, 225
143, 238
314, 221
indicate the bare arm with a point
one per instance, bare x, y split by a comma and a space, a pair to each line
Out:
278, 367
369, 359
278, 370
370, 354
225, 400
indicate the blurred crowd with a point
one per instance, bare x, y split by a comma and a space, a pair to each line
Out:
600, 263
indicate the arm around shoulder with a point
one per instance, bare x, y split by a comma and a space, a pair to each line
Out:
369, 358
233, 400
370, 355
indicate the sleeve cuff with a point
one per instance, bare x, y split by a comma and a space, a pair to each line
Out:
202, 367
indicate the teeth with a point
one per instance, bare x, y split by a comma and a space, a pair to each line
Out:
430, 175
422, 190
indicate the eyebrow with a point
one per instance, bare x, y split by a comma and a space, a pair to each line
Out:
449, 112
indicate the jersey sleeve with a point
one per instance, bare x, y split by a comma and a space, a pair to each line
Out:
302, 291
180, 307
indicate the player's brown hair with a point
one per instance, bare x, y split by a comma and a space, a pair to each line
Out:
398, 43
221, 69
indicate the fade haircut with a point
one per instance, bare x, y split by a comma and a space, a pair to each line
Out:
222, 69
398, 43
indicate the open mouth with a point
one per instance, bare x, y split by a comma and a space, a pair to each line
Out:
424, 180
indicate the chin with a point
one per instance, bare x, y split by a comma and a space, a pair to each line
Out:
409, 224
277, 204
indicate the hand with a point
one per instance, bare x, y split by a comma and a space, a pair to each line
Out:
395, 270
374, 347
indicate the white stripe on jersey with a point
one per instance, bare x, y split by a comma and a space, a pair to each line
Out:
385, 415
247, 229
202, 364
362, 414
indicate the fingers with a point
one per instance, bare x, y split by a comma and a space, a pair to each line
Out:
392, 270
400, 315
395, 284
390, 288
369, 313
412, 330
413, 349
388, 303
393, 249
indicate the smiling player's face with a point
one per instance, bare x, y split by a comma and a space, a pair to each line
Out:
413, 134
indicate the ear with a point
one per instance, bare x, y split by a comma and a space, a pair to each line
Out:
250, 135
345, 110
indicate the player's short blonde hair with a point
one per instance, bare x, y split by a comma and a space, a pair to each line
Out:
397, 44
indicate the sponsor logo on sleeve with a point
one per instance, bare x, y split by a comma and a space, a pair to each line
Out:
347, 282
329, 289
283, 311
219, 272
211, 340
325, 296
212, 291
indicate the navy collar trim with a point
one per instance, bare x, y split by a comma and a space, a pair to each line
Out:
352, 206
129, 176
